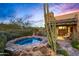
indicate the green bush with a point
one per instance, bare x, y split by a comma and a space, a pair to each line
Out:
15, 34
3, 41
75, 44
28, 33
75, 40
62, 52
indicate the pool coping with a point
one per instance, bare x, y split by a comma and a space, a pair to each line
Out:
11, 46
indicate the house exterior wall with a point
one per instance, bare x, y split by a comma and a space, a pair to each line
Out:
78, 23
74, 26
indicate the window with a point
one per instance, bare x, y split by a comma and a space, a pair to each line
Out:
62, 30
62, 27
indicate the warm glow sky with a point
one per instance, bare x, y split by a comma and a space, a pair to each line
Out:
34, 11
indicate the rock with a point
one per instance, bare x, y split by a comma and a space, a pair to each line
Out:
50, 52
24, 53
28, 50
43, 50
46, 51
37, 53
35, 49
17, 53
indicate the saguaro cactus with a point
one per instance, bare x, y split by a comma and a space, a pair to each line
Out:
50, 25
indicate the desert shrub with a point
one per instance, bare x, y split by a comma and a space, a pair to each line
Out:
11, 36
15, 34
27, 33
3, 41
59, 50
42, 33
75, 40
75, 44
74, 36
62, 52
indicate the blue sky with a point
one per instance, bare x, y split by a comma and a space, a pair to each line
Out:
33, 10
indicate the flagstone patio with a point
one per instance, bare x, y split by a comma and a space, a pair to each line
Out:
65, 44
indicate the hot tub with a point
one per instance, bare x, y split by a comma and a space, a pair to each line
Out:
26, 42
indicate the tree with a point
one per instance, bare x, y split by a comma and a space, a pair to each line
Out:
20, 22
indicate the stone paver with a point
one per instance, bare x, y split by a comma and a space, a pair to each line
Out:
67, 46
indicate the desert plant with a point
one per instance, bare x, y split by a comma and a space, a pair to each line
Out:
75, 40
3, 41
50, 25
75, 44
63, 52
74, 36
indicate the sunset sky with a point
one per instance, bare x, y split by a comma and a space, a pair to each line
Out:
33, 10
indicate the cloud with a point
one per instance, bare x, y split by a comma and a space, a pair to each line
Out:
64, 7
